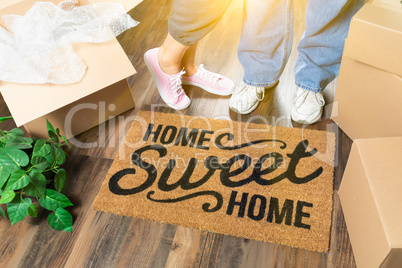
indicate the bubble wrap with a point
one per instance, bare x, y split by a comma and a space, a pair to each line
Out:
37, 48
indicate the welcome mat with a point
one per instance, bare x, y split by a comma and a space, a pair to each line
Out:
256, 181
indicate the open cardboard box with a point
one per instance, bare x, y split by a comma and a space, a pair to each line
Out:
369, 92
73, 108
371, 199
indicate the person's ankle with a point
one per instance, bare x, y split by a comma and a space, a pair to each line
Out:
166, 64
190, 69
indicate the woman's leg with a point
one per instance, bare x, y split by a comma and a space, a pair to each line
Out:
188, 60
173, 57
189, 22
170, 55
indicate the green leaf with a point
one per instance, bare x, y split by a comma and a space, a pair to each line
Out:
64, 138
39, 162
59, 155
4, 174
2, 213
7, 196
41, 148
54, 200
49, 175
19, 143
5, 118
50, 159
2, 190
50, 127
33, 210
60, 180
37, 184
18, 208
61, 220
18, 180
53, 136
16, 132
13, 158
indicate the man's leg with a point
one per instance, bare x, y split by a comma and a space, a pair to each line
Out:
320, 52
264, 49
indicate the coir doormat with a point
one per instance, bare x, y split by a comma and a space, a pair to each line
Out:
255, 181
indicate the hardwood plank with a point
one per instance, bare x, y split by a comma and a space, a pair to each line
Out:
14, 241
298, 258
104, 140
232, 252
147, 244
99, 241
186, 248
341, 253
51, 248
211, 250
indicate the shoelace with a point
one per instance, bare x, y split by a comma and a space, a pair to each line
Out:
175, 82
246, 89
311, 97
207, 76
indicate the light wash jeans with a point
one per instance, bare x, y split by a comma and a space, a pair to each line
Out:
267, 35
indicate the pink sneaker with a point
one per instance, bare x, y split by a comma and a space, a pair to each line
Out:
169, 86
212, 82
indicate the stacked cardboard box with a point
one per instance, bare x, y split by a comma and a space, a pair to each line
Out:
371, 200
369, 92
368, 106
103, 93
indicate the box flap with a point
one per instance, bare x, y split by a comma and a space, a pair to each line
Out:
375, 38
107, 64
381, 158
393, 4
128, 4
4, 4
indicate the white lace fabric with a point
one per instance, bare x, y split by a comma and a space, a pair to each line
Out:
37, 48
313, 98
207, 76
249, 92
175, 83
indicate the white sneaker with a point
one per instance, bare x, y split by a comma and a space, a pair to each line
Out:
245, 98
307, 106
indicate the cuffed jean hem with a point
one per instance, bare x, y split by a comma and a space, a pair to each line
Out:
259, 84
182, 41
308, 88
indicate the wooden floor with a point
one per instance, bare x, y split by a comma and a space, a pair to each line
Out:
106, 240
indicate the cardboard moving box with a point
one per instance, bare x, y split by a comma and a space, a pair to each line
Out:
371, 198
369, 92
103, 93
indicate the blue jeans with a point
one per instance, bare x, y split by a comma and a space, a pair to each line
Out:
267, 36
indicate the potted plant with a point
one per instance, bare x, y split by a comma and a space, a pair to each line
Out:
31, 175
